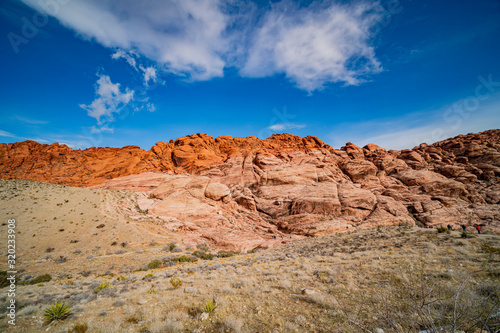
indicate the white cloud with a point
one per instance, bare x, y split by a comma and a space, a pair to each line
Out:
411, 130
7, 134
323, 43
123, 54
149, 74
151, 107
315, 45
183, 36
109, 99
94, 129
285, 126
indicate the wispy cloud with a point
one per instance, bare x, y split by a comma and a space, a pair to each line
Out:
7, 134
125, 55
30, 120
315, 45
184, 37
325, 42
149, 74
101, 129
285, 126
108, 100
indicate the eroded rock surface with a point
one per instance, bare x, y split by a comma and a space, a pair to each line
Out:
244, 192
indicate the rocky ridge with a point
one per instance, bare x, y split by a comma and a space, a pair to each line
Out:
283, 186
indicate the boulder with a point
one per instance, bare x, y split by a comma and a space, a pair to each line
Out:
216, 191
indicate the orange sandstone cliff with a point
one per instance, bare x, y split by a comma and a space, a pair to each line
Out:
284, 184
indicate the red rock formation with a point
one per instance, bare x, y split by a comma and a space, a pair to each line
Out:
299, 185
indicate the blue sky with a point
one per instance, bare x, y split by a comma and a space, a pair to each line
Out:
116, 73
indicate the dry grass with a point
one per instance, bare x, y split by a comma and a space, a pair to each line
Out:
396, 279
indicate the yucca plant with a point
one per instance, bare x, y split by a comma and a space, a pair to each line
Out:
56, 312
209, 305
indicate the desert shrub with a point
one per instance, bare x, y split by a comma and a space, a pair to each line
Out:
49, 249
79, 328
203, 247
101, 286
203, 255
134, 317
486, 248
56, 312
441, 230
149, 275
185, 258
41, 279
155, 264
28, 310
209, 305
175, 282
227, 254
233, 324
422, 301
172, 246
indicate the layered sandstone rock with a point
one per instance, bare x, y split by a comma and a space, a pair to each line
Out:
283, 185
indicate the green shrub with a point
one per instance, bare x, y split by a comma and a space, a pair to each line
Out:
172, 246
203, 255
56, 312
227, 254
40, 279
442, 230
154, 264
185, 258
176, 282
102, 286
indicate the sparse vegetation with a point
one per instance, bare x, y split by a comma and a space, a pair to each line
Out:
41, 279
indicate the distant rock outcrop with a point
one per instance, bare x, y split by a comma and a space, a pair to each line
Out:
284, 184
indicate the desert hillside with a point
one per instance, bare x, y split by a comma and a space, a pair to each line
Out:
386, 279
